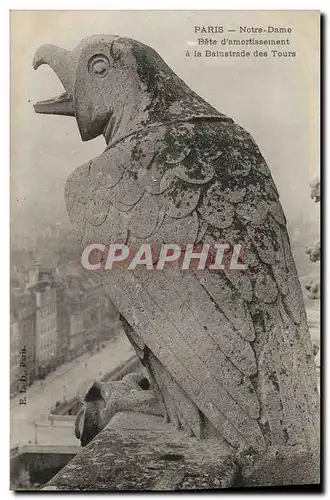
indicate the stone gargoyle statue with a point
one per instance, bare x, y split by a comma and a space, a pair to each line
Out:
228, 351
102, 400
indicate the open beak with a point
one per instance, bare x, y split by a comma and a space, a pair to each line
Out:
63, 64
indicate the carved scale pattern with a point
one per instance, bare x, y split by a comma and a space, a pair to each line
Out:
229, 351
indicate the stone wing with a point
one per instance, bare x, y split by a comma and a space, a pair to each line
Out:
200, 182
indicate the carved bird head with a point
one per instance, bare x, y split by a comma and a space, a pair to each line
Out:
115, 85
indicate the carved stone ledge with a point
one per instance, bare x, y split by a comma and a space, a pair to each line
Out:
288, 467
139, 452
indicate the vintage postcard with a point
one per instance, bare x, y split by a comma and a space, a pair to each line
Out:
165, 250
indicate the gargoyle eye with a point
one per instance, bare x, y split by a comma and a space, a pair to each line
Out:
99, 65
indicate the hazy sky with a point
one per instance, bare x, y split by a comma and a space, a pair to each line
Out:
276, 100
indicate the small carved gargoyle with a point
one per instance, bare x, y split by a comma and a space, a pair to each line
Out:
102, 400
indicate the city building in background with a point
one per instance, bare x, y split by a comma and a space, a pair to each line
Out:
58, 310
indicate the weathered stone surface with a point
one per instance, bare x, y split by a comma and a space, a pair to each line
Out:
232, 358
102, 400
141, 452
285, 467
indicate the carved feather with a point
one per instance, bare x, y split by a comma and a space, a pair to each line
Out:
209, 331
